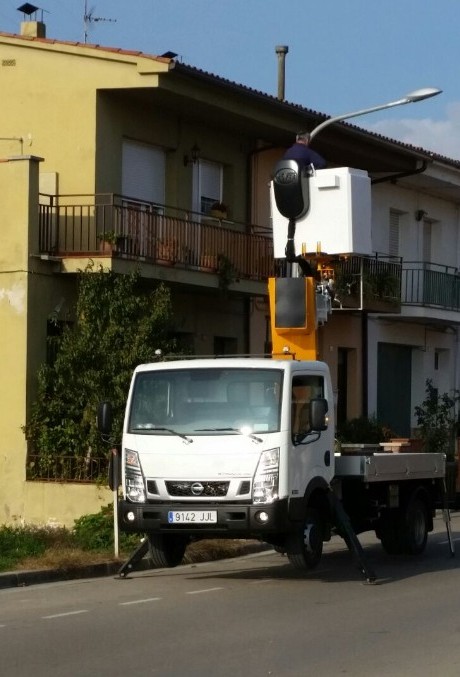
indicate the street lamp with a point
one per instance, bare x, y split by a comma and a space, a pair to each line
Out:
412, 97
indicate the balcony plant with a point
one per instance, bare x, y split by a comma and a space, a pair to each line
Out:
166, 251
226, 271
219, 210
109, 241
208, 262
363, 430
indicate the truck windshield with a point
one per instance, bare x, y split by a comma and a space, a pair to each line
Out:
206, 401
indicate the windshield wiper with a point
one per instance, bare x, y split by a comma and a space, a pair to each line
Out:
229, 430
168, 430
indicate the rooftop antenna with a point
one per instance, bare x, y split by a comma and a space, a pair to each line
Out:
89, 18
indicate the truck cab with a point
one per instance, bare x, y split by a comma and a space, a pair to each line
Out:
224, 448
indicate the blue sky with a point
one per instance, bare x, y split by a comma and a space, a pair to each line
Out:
344, 55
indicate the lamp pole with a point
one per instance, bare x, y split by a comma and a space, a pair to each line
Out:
412, 97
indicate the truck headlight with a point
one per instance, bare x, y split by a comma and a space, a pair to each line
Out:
134, 480
265, 484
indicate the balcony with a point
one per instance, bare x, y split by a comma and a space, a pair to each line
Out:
431, 285
366, 283
122, 228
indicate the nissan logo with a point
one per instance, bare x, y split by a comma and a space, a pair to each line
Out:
197, 488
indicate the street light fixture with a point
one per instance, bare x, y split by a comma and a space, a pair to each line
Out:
412, 97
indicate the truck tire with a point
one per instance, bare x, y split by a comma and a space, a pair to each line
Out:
414, 527
304, 546
166, 550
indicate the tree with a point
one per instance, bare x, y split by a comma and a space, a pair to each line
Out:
436, 420
117, 327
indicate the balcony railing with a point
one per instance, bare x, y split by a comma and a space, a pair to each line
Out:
90, 225
430, 284
367, 283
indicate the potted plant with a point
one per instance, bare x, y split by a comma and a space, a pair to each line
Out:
208, 262
108, 241
219, 210
167, 251
363, 433
226, 271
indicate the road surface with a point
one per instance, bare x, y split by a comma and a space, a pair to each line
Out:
253, 616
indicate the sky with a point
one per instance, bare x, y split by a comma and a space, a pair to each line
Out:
344, 55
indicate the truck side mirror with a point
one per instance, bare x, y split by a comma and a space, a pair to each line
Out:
318, 414
105, 418
291, 189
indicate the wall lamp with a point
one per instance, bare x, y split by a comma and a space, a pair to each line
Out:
193, 157
420, 214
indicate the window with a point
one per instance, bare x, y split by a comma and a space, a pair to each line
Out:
206, 401
304, 390
143, 172
208, 182
143, 182
426, 241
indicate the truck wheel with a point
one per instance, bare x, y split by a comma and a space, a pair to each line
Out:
414, 527
304, 546
166, 550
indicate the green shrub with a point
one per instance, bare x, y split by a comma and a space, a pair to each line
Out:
95, 532
17, 543
363, 430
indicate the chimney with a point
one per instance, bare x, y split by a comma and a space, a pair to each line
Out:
33, 29
30, 27
281, 51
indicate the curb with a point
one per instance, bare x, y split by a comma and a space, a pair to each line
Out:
19, 579
22, 579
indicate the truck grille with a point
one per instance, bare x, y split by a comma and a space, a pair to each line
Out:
197, 488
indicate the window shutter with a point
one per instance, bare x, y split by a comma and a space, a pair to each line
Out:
143, 172
393, 243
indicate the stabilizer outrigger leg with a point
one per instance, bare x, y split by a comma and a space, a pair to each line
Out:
136, 557
446, 517
351, 539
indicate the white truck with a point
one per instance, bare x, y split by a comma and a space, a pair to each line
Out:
245, 447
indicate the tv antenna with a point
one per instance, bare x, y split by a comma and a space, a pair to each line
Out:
89, 18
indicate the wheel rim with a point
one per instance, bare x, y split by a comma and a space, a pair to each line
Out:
311, 538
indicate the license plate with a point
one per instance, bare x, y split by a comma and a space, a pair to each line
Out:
192, 516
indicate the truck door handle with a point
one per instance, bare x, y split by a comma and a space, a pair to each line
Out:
327, 458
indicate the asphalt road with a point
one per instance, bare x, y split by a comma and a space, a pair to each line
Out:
252, 616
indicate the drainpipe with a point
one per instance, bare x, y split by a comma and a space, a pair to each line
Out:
281, 51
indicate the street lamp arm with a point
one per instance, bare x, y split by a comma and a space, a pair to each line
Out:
413, 97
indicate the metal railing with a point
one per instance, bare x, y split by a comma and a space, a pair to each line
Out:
127, 228
81, 469
367, 282
431, 284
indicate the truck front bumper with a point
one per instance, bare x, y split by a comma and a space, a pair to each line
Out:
233, 520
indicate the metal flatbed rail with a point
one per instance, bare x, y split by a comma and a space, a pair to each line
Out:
387, 467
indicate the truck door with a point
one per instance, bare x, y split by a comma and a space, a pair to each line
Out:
311, 451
